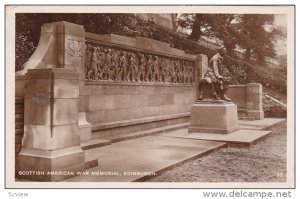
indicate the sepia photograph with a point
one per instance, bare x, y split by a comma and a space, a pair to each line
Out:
150, 96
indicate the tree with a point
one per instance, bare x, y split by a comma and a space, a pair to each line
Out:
219, 26
255, 38
247, 31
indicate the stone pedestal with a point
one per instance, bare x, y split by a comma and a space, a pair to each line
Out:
51, 141
254, 101
217, 117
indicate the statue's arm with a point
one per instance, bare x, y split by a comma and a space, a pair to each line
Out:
216, 70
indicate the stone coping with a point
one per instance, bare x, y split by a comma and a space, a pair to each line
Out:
108, 125
133, 44
121, 83
20, 77
237, 85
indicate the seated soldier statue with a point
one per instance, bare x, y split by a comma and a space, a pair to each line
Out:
217, 83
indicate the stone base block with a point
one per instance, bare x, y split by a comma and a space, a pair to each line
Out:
85, 133
214, 118
212, 130
258, 115
85, 128
42, 165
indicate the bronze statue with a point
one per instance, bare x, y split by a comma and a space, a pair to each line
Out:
218, 84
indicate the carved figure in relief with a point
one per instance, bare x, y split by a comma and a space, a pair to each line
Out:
123, 66
164, 70
156, 67
93, 69
111, 71
88, 59
107, 65
182, 71
149, 75
100, 61
163, 65
181, 78
186, 73
173, 78
115, 65
142, 70
177, 71
132, 69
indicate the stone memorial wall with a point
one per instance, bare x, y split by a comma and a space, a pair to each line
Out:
131, 82
79, 86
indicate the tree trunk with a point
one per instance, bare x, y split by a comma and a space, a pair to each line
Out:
260, 59
196, 30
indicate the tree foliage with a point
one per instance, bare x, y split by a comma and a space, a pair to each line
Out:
248, 31
28, 28
255, 38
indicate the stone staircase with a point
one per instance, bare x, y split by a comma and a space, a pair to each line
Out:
19, 123
95, 143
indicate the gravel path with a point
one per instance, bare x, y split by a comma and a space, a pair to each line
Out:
262, 162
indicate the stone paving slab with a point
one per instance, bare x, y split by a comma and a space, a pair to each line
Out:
263, 124
152, 154
239, 138
250, 132
145, 157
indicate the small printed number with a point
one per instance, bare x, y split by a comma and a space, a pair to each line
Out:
279, 174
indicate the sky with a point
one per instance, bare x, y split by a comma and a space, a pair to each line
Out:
280, 20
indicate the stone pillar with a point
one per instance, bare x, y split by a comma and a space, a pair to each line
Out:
51, 141
254, 101
201, 68
55, 122
61, 45
72, 56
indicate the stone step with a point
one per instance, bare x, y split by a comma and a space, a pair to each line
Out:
18, 138
137, 134
19, 117
248, 118
95, 143
19, 125
19, 108
101, 126
19, 131
90, 163
91, 144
